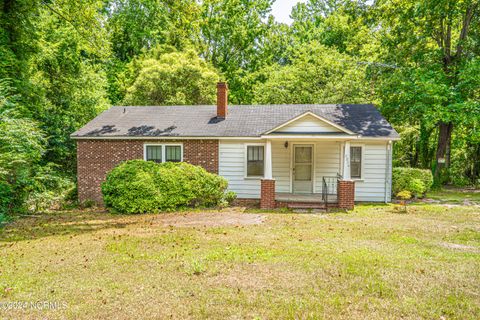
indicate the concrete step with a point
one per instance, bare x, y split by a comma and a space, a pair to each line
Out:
313, 205
321, 211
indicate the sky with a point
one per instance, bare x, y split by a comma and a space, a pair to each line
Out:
281, 10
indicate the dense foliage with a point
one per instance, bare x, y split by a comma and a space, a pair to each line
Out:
416, 181
170, 78
64, 61
139, 186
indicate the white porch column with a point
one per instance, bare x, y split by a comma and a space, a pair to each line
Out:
268, 160
346, 161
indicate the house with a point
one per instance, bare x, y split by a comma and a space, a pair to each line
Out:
275, 154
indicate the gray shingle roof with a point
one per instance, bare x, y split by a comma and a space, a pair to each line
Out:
241, 121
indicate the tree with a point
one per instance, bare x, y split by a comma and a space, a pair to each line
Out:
68, 83
22, 145
342, 24
431, 43
138, 25
232, 33
317, 74
169, 77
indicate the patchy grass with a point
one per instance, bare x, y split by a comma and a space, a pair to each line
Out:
455, 195
372, 263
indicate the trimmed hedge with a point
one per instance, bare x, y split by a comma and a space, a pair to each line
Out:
416, 181
139, 186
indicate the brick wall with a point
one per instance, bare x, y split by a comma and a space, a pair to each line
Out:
267, 194
96, 157
346, 194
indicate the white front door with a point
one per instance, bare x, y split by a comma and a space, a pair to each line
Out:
303, 168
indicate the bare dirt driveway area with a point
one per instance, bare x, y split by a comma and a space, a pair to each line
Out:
227, 217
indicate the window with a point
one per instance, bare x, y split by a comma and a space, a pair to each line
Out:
154, 153
356, 162
255, 161
173, 153
163, 152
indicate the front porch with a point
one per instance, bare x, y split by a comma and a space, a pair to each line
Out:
305, 201
307, 173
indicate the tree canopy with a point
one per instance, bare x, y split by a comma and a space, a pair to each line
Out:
316, 74
171, 78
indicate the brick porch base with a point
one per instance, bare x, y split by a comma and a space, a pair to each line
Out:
267, 194
346, 194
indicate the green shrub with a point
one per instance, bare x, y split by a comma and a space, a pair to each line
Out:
139, 186
417, 187
230, 196
416, 181
6, 200
404, 195
49, 189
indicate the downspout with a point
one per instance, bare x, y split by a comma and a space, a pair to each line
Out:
387, 171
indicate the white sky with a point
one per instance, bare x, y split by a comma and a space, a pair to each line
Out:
281, 10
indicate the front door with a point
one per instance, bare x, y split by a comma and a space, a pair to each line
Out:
302, 168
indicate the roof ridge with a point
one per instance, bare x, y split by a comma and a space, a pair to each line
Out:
254, 105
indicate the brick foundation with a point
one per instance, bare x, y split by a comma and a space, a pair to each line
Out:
346, 194
267, 196
96, 157
249, 203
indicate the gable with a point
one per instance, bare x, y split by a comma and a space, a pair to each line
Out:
307, 123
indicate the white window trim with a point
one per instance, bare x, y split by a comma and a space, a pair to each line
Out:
245, 160
362, 167
164, 152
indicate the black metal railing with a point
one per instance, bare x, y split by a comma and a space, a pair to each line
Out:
325, 193
329, 187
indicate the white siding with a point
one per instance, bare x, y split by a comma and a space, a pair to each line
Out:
327, 161
232, 167
308, 123
326, 157
373, 185
281, 166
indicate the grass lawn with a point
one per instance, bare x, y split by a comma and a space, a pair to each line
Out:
373, 263
455, 195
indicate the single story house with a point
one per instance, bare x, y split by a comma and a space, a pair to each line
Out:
276, 154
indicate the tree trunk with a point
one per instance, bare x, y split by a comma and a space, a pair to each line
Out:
443, 148
473, 170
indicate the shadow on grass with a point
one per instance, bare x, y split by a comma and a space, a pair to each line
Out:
61, 223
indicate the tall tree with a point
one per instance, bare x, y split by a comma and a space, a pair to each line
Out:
342, 24
231, 39
317, 74
135, 26
17, 40
66, 74
431, 43
164, 76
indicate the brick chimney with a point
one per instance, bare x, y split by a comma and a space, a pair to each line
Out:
222, 100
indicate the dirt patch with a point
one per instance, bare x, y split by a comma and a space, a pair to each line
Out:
211, 219
462, 247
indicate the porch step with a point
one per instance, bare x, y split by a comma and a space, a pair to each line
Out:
306, 206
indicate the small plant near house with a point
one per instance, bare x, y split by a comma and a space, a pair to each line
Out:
404, 196
230, 197
139, 186
417, 181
